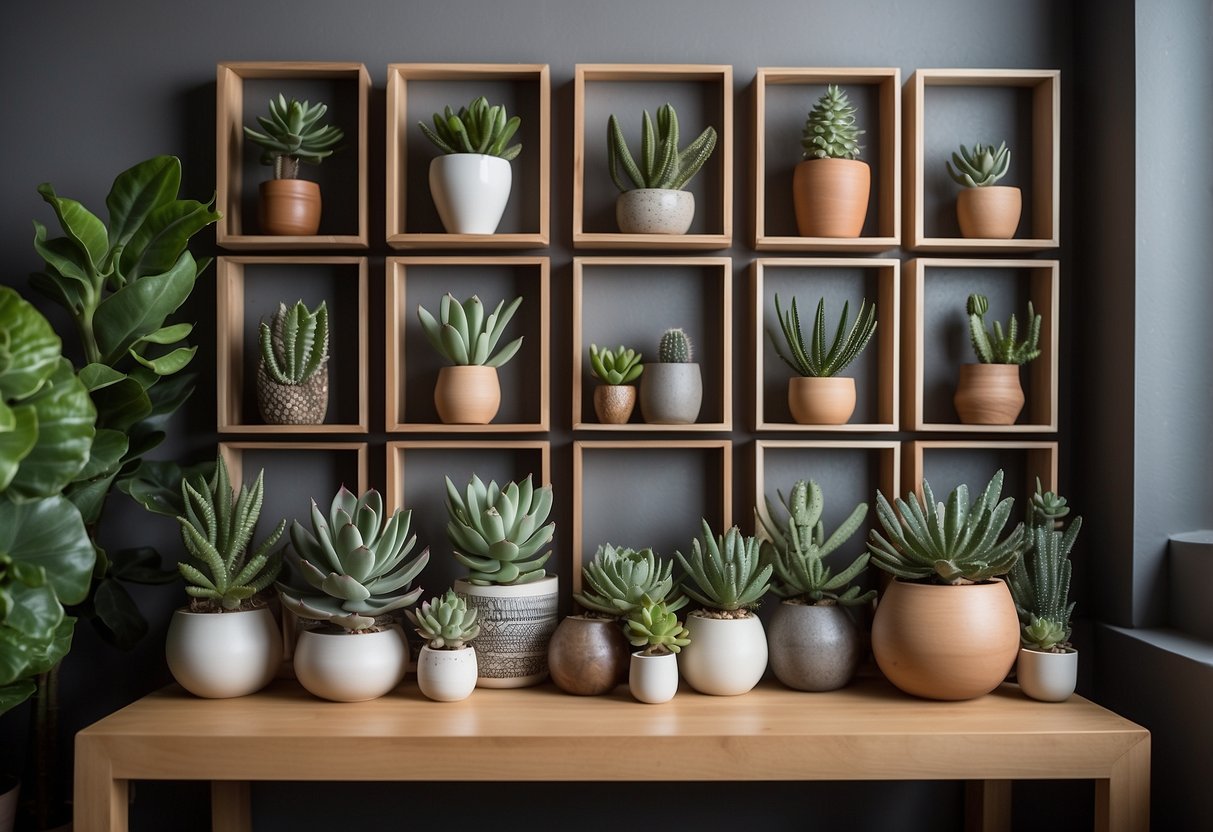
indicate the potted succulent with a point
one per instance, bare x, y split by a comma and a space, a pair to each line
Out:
830, 187
946, 626
616, 369
226, 642
349, 573
468, 392
651, 198
1047, 667
817, 395
588, 653
497, 533
989, 392
984, 209
293, 134
292, 370
446, 668
470, 182
728, 652
814, 643
671, 391
653, 674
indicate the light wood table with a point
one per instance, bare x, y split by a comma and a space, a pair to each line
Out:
868, 731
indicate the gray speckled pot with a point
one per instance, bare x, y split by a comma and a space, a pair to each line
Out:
813, 648
670, 394
655, 211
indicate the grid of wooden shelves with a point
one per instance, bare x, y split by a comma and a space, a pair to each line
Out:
343, 176
876, 92
412, 221
1022, 463
594, 193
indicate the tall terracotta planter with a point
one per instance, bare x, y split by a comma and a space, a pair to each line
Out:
991, 212
821, 401
831, 197
467, 394
290, 207
988, 394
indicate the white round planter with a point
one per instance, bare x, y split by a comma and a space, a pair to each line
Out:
516, 624
446, 675
8, 803
470, 191
218, 655
1049, 677
726, 657
655, 211
653, 679
350, 667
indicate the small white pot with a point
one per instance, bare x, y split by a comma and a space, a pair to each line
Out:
516, 624
351, 667
446, 675
653, 679
218, 655
1049, 677
470, 191
726, 657
655, 211
8, 803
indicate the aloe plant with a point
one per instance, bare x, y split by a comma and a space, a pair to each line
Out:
1040, 580
293, 134
615, 367
497, 532
295, 343
445, 622
463, 334
476, 128
654, 626
617, 580
830, 131
727, 571
662, 164
815, 360
981, 167
998, 347
674, 347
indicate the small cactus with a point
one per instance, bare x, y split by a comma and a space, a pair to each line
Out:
662, 164
675, 348
995, 347
295, 343
981, 168
830, 131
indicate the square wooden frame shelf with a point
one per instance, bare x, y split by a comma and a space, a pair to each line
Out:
886, 342
720, 164
398, 133
232, 359
400, 316
233, 455
1044, 189
1040, 459
721, 449
1042, 389
231, 231
398, 450
722, 334
887, 190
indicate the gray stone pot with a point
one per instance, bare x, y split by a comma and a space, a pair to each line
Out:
655, 211
813, 647
670, 394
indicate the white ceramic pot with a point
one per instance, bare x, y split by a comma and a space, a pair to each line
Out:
470, 191
446, 675
10, 793
653, 679
655, 211
516, 624
218, 655
1049, 677
350, 667
726, 657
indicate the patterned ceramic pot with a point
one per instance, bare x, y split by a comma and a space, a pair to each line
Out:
293, 404
516, 624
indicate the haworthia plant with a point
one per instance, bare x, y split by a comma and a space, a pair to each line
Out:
295, 343
476, 128
293, 134
445, 622
618, 366
498, 533
463, 333
654, 626
661, 164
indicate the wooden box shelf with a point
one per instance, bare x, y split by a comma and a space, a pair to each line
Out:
243, 91
947, 463
702, 94
248, 290
415, 91
631, 301
849, 472
936, 337
412, 364
783, 98
945, 108
837, 280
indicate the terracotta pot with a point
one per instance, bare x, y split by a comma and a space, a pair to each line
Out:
446, 675
613, 403
990, 213
467, 394
588, 656
821, 401
946, 642
655, 211
1048, 677
814, 647
219, 655
726, 657
671, 394
470, 191
988, 394
516, 624
831, 197
351, 667
290, 207
653, 679
293, 404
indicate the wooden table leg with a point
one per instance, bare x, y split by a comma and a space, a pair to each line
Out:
988, 806
231, 806
100, 800
1122, 802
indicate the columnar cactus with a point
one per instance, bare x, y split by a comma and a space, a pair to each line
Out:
675, 347
662, 164
295, 344
830, 131
980, 168
996, 347
1040, 581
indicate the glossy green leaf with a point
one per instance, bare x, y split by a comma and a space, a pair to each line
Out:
141, 566
168, 394
17, 441
121, 405
118, 612
29, 347
137, 192
140, 307
108, 448
13, 695
156, 485
97, 376
63, 292
167, 365
89, 496
67, 263
165, 233
36, 611
50, 534
79, 224
168, 335
46, 655
66, 418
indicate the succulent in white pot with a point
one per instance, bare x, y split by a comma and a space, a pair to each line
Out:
653, 675
446, 668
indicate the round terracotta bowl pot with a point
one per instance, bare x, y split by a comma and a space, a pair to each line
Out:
946, 642
588, 656
290, 207
988, 394
830, 197
990, 213
467, 394
821, 401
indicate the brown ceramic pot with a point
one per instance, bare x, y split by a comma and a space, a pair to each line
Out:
831, 197
988, 394
990, 213
293, 404
613, 403
588, 656
821, 401
467, 394
290, 207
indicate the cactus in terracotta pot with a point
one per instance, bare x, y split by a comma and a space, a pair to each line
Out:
831, 186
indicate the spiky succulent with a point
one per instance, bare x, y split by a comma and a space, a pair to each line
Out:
617, 581
998, 347
654, 626
955, 543
295, 343
293, 134
353, 567
796, 547
217, 529
980, 168
445, 622
463, 334
1040, 581
662, 164
476, 128
829, 130
815, 360
675, 347
497, 532
727, 570
619, 366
